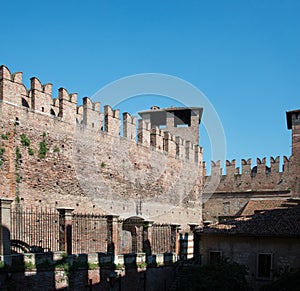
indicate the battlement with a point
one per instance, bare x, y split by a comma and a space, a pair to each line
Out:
251, 176
88, 116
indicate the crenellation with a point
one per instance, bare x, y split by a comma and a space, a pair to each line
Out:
286, 164
91, 116
35, 84
197, 154
112, 122
129, 126
67, 106
17, 77
40, 100
144, 132
189, 150
275, 164
13, 91
261, 166
5, 73
180, 148
216, 169
47, 88
246, 166
157, 139
230, 168
169, 144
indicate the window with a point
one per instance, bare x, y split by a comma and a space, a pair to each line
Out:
264, 265
25, 103
215, 257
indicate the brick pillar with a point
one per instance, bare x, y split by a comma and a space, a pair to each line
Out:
195, 243
65, 229
175, 237
147, 237
5, 204
112, 234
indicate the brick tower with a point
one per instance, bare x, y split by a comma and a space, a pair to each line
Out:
293, 123
179, 121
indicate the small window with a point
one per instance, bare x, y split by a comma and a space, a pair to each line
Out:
215, 257
43, 109
264, 265
25, 103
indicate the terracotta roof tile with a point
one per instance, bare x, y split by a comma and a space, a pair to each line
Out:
257, 205
283, 220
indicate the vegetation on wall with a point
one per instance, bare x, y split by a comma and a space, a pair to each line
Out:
43, 149
5, 136
2, 150
25, 140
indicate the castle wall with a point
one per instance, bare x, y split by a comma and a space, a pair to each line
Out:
238, 186
58, 154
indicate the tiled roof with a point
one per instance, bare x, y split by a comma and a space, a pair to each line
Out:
263, 204
283, 221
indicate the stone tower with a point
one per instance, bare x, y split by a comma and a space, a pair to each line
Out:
179, 121
293, 123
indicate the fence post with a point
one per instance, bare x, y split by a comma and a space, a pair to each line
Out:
112, 234
175, 237
65, 229
5, 204
147, 241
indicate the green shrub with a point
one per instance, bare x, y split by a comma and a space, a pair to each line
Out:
56, 150
30, 151
18, 178
18, 154
43, 150
25, 140
2, 150
5, 136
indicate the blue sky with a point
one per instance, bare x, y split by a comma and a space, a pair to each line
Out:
243, 55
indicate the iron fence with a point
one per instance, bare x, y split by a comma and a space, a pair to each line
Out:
162, 239
34, 228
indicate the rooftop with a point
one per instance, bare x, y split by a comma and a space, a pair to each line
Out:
271, 218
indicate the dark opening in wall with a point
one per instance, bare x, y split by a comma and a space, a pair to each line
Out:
25, 103
264, 265
215, 257
52, 112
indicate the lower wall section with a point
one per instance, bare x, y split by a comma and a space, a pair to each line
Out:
95, 271
159, 278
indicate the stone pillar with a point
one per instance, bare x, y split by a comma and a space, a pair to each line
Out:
65, 229
175, 237
5, 204
112, 234
196, 242
147, 237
